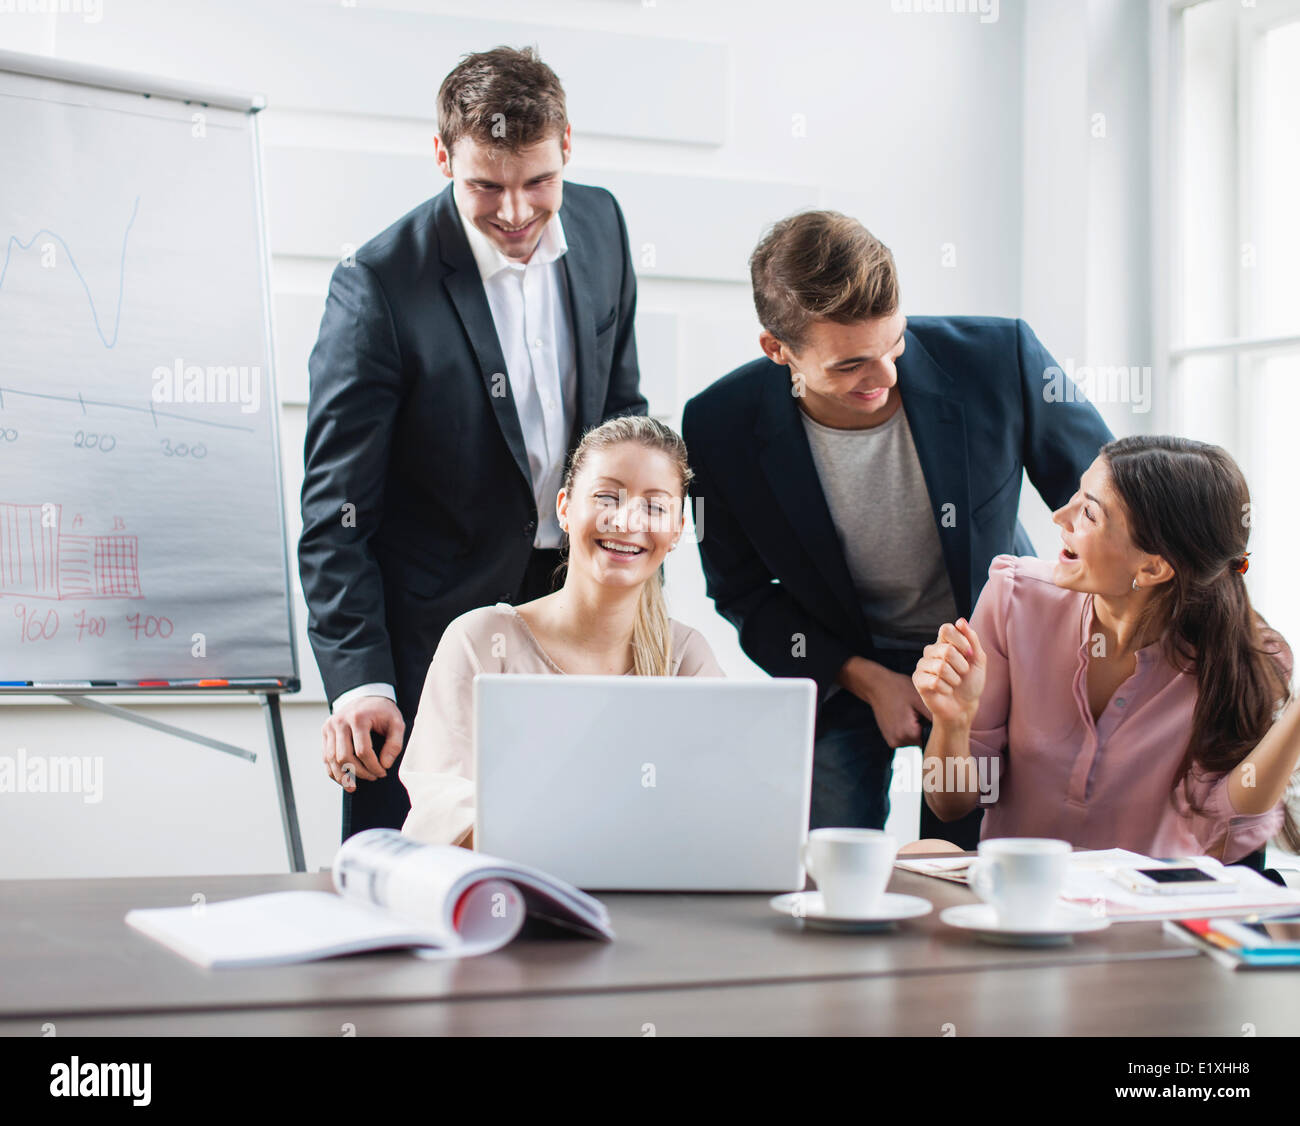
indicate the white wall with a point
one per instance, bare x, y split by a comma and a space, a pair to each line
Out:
956, 141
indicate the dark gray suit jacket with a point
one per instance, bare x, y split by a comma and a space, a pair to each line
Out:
973, 389
417, 502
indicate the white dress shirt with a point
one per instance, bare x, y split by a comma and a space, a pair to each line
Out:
530, 310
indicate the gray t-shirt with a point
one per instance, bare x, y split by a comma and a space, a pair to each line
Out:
877, 497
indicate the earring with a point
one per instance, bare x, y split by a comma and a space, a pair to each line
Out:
1135, 584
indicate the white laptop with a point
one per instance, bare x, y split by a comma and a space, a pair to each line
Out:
646, 783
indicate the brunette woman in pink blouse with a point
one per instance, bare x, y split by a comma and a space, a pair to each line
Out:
622, 509
1125, 693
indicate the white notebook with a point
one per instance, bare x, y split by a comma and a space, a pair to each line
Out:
1092, 882
391, 891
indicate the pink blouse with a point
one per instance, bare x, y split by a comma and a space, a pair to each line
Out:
1103, 784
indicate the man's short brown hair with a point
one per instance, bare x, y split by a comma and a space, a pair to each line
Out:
504, 97
820, 265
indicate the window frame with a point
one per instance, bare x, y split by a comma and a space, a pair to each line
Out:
1168, 236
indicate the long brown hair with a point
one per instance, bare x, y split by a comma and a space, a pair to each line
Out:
652, 635
1187, 501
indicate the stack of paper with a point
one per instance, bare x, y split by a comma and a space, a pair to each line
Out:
1093, 882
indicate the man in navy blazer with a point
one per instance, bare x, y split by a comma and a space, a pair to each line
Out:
461, 355
853, 486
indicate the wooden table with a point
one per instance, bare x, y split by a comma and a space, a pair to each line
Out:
682, 963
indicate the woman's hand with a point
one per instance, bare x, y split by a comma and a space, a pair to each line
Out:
950, 675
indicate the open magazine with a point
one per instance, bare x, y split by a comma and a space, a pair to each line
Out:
390, 890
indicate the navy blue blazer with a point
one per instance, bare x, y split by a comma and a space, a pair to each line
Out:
417, 500
973, 389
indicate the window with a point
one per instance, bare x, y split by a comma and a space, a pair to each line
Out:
1233, 231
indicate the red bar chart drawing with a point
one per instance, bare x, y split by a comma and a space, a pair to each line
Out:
38, 560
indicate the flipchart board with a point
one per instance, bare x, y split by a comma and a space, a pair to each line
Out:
142, 525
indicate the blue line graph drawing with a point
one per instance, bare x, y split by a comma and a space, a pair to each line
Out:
150, 410
121, 278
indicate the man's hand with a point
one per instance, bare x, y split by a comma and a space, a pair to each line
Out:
897, 706
950, 674
348, 752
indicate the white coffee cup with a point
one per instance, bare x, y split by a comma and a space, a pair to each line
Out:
1021, 877
851, 867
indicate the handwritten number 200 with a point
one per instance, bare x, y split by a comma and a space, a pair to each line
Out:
88, 441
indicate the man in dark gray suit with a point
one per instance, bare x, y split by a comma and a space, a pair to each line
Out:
461, 355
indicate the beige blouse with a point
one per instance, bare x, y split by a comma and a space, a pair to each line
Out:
437, 768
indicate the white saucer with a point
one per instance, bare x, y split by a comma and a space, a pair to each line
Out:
1056, 930
808, 907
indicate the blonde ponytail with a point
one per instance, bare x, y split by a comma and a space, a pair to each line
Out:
652, 636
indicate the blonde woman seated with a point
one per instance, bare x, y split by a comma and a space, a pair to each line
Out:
1125, 693
622, 509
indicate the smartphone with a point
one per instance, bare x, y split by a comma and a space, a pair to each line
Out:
1170, 879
